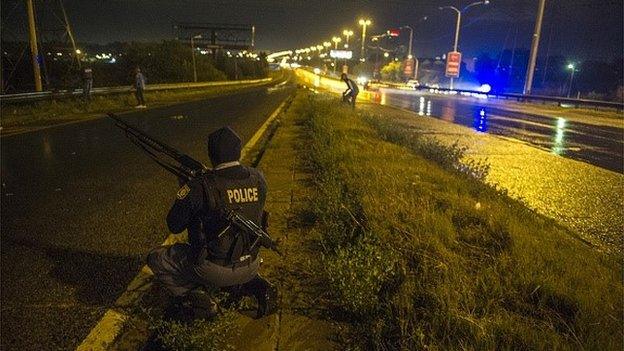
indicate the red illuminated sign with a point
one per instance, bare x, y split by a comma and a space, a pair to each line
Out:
453, 64
394, 32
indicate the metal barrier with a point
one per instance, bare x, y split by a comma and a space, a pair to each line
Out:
63, 94
519, 97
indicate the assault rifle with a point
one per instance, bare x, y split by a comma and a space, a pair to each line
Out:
187, 168
262, 237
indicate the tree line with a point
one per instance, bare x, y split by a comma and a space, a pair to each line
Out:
169, 61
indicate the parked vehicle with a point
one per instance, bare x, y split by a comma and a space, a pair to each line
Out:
412, 83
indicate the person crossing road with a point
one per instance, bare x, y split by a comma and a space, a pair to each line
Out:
349, 95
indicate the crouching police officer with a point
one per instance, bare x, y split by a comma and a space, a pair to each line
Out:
218, 255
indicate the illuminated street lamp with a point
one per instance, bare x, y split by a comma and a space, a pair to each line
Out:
459, 14
347, 33
336, 40
364, 23
572, 69
326, 44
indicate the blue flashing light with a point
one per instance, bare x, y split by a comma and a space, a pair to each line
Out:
480, 122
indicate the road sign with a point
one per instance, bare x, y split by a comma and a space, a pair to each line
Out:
341, 54
222, 36
453, 64
408, 69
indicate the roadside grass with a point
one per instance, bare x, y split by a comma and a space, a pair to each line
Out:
198, 335
43, 113
416, 253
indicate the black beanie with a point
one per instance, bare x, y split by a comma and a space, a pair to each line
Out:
223, 146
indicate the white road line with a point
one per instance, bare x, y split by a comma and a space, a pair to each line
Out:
104, 334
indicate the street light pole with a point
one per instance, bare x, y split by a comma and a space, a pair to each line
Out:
411, 41
572, 69
347, 34
409, 51
411, 38
336, 40
528, 83
364, 23
458, 24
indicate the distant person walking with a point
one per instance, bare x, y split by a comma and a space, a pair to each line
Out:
139, 86
87, 83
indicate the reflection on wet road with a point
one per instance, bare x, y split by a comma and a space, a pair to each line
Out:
601, 146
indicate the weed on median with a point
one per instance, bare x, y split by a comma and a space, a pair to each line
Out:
417, 253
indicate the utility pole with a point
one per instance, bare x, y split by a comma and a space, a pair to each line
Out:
193, 37
34, 52
528, 83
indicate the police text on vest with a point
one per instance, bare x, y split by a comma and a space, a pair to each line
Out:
242, 195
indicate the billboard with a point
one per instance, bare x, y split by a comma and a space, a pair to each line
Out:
341, 54
453, 64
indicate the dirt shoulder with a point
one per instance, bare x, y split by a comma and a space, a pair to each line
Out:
300, 324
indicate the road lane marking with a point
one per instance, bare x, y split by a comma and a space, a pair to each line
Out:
106, 331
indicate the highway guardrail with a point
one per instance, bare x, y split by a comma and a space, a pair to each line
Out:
63, 94
518, 97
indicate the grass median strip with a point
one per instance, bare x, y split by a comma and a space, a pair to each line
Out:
416, 252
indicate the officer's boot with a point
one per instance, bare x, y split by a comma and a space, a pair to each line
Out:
234, 296
196, 304
265, 294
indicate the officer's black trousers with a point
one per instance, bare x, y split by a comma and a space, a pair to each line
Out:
173, 269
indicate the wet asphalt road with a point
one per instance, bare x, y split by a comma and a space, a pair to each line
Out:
81, 207
602, 146
570, 172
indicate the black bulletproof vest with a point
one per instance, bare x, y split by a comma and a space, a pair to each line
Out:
247, 196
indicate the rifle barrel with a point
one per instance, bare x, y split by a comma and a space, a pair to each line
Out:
150, 141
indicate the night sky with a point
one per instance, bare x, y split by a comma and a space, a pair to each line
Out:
578, 29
